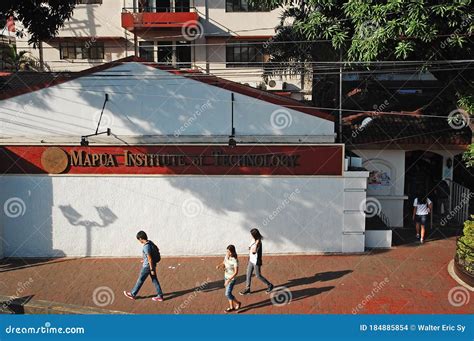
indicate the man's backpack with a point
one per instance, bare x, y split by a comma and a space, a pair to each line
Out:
155, 252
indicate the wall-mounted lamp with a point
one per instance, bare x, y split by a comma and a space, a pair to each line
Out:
85, 138
232, 142
449, 163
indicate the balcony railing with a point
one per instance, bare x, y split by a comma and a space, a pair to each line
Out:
158, 17
166, 9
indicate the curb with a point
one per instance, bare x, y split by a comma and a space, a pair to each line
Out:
24, 305
456, 277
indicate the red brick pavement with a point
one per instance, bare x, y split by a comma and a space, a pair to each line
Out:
404, 280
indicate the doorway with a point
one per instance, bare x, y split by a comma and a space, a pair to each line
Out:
423, 174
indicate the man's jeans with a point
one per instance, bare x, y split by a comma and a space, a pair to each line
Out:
141, 279
250, 269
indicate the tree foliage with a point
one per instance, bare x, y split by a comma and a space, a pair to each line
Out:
370, 30
40, 18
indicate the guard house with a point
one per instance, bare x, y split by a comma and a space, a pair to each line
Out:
90, 158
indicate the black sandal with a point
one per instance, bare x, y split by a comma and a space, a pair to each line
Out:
228, 310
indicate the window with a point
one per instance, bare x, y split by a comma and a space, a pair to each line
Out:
165, 52
244, 53
245, 6
146, 50
183, 54
80, 50
88, 2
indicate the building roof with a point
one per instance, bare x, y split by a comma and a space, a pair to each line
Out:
17, 81
402, 130
39, 81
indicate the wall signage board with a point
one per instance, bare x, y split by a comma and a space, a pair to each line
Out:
174, 160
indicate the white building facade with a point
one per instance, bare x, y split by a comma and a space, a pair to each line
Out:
61, 197
226, 38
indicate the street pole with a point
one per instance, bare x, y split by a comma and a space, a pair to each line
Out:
340, 96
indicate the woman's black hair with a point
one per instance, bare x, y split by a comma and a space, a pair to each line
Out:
421, 199
256, 234
233, 253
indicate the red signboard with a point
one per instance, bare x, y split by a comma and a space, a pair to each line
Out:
174, 160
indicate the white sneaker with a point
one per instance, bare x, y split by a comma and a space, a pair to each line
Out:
421, 241
417, 236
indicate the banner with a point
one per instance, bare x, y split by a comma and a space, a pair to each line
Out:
321, 160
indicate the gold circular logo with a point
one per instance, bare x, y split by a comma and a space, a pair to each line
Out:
54, 160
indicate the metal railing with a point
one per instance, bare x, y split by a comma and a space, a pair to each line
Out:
165, 9
459, 202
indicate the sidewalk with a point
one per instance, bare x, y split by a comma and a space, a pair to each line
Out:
407, 279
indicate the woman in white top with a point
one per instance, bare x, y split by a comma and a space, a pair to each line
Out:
422, 206
231, 269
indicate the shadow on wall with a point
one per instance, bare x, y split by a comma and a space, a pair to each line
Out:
26, 216
106, 216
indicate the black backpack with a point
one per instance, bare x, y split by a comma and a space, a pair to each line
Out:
155, 252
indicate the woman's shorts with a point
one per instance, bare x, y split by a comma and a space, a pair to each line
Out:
421, 219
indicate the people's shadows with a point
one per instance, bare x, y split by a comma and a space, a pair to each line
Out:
203, 287
11, 264
296, 295
319, 277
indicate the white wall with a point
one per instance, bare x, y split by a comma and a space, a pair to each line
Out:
185, 215
392, 199
145, 101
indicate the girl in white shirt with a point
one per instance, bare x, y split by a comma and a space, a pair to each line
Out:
422, 207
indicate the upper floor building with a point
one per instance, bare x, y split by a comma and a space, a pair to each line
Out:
224, 37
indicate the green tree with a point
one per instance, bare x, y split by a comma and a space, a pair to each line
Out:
369, 30
21, 61
40, 18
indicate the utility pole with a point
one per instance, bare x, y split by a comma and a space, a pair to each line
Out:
340, 97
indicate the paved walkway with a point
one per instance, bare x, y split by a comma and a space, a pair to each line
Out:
407, 279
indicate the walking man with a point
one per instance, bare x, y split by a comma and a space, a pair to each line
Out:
151, 256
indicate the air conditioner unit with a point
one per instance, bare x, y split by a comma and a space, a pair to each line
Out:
252, 84
276, 85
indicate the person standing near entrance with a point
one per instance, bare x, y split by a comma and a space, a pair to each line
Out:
231, 269
151, 256
255, 262
422, 207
